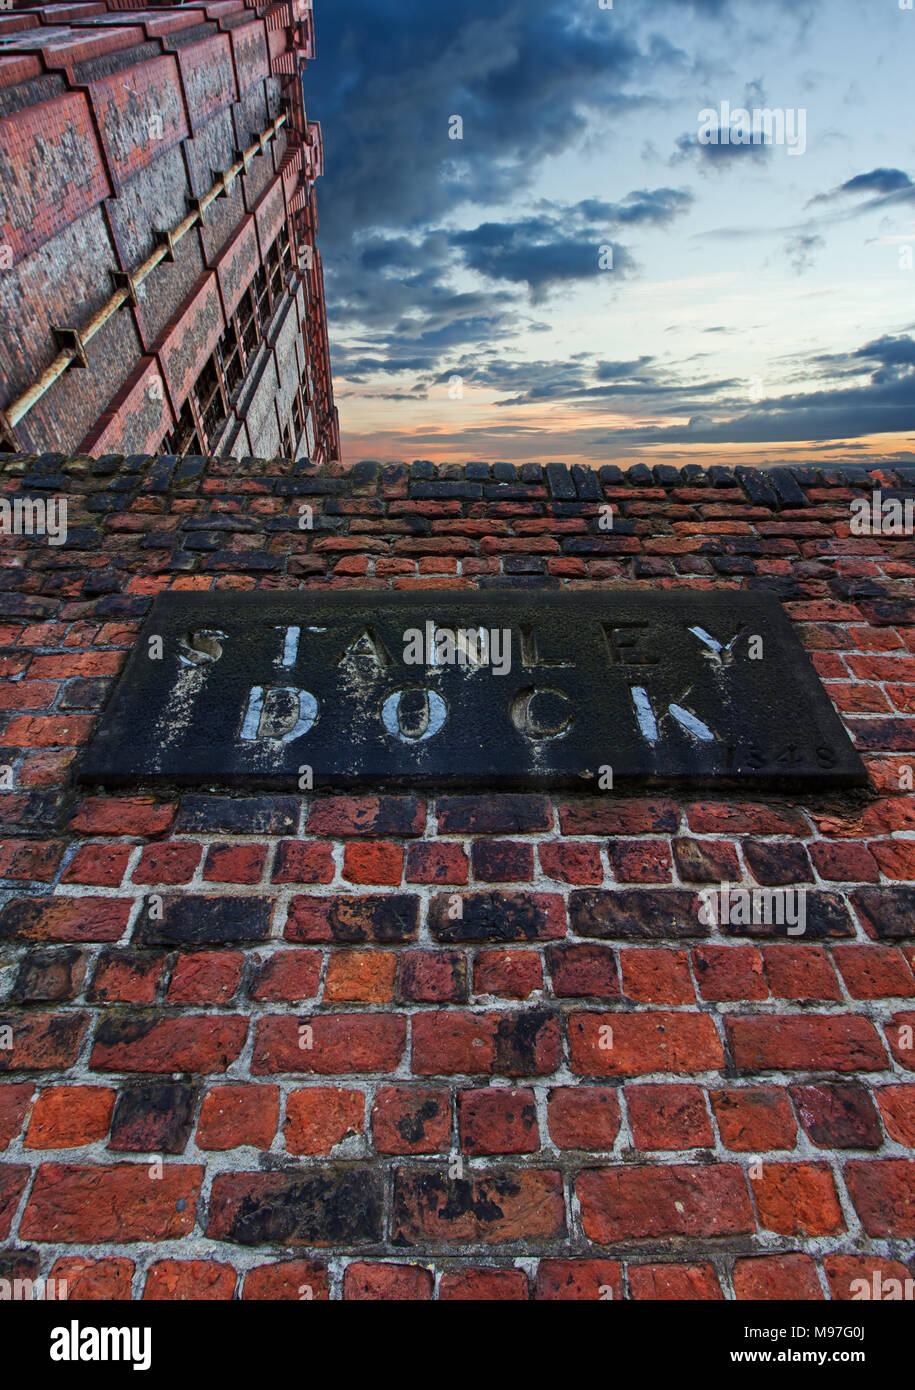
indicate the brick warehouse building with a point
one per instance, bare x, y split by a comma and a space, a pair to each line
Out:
160, 286
750, 1133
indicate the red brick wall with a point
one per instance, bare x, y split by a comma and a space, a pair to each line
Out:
455, 1128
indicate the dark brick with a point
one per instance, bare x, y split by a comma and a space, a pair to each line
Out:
706, 861
188, 919
502, 861
838, 1117
243, 815
490, 1208
372, 917
777, 863
153, 1119
581, 971
887, 913
48, 976
320, 1206
497, 917
493, 815
826, 916
656, 914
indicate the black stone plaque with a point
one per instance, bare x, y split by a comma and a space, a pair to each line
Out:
472, 689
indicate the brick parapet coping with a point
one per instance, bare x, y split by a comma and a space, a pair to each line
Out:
750, 1131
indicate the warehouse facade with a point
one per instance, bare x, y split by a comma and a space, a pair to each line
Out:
159, 279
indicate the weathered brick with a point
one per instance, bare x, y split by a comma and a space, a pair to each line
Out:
583, 971
578, 1280
64, 1117
366, 815
340, 1044
754, 1119
187, 919
231, 863
648, 1202
103, 1281
663, 914
360, 977
638, 1044
484, 1286
321, 1117
776, 1278
411, 1119
126, 977
49, 977
498, 1120
797, 1199
156, 1118
492, 1208
886, 913
510, 974
609, 816
373, 861
655, 976
496, 814
897, 1107
497, 916
84, 1205
883, 1191
313, 1207
194, 1043
805, 1042
583, 1117
436, 862
287, 976
238, 1114
119, 815
668, 1117
571, 861
77, 919
395, 1283
205, 977
882, 1279
840, 1116
42, 1042
303, 861
14, 1104
675, 1283
374, 917
501, 1044
433, 977
288, 1279
198, 1280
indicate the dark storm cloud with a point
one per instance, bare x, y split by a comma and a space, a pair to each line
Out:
523, 76
885, 404
537, 253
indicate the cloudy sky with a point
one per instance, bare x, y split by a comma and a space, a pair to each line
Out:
583, 275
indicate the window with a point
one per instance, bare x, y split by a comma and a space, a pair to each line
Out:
247, 322
275, 271
262, 297
209, 400
285, 253
230, 360
183, 439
